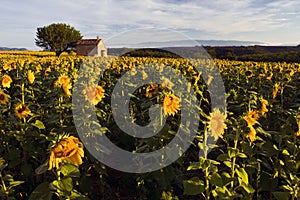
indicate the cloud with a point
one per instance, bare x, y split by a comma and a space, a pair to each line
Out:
206, 19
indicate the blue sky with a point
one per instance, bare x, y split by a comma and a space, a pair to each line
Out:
273, 22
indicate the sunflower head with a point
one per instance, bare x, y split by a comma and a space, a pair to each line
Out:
264, 104
251, 117
67, 150
94, 94
66, 88
3, 98
6, 81
216, 123
30, 76
171, 104
22, 111
62, 79
275, 90
151, 90
252, 133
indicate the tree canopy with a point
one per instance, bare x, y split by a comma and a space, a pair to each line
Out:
56, 37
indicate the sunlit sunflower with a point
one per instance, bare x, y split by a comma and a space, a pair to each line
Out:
3, 98
6, 81
67, 150
166, 83
94, 94
62, 79
30, 76
252, 133
216, 123
133, 71
47, 71
171, 104
151, 90
251, 117
144, 75
249, 73
264, 104
65, 82
22, 111
66, 88
276, 89
38, 68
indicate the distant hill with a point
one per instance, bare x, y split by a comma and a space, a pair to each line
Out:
12, 49
190, 43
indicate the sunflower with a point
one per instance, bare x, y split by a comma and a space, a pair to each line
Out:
144, 75
166, 83
276, 89
6, 81
3, 98
94, 94
69, 149
151, 90
264, 104
62, 79
252, 133
47, 71
22, 111
66, 88
171, 104
65, 82
216, 123
30, 76
251, 117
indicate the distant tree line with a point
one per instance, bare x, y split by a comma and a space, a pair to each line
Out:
242, 53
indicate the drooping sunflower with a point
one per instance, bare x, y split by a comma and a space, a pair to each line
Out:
251, 117
62, 79
22, 111
297, 134
216, 124
144, 75
6, 81
252, 134
171, 104
69, 149
30, 76
94, 94
151, 90
166, 83
3, 97
264, 104
66, 88
275, 90
65, 82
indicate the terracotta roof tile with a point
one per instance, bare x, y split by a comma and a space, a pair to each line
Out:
88, 41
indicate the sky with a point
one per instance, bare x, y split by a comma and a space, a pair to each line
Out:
272, 22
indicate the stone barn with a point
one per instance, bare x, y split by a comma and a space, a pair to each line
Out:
91, 47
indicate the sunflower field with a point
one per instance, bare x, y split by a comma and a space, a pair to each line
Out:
256, 154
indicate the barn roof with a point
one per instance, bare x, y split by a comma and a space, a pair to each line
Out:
88, 41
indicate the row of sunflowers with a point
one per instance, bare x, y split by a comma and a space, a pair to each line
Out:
256, 154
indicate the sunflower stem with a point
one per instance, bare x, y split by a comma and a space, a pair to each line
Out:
236, 139
23, 93
3, 186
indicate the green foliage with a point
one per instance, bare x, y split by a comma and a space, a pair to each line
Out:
236, 168
56, 37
